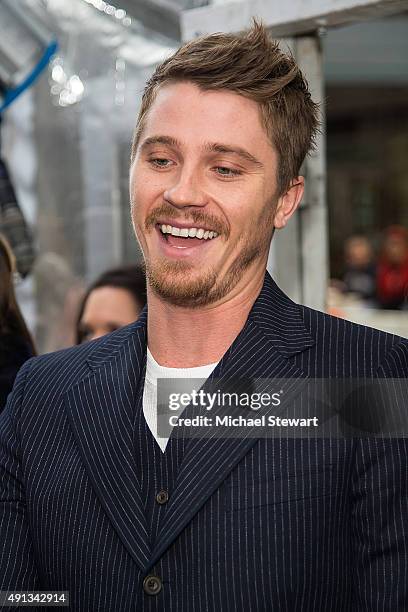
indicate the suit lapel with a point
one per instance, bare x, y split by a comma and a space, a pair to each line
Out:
273, 333
101, 411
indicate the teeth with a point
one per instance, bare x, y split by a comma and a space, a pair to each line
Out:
191, 232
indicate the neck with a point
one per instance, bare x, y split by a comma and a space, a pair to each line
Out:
187, 337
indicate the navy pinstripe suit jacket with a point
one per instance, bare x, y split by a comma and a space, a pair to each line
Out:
254, 524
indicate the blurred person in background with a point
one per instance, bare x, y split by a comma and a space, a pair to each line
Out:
114, 300
392, 270
16, 344
360, 272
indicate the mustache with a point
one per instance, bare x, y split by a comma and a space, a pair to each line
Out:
197, 217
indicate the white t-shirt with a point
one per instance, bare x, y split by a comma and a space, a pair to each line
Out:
155, 371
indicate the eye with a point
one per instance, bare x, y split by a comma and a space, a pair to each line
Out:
227, 172
160, 162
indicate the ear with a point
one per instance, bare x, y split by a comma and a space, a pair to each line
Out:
288, 202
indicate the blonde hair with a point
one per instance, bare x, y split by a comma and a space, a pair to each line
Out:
250, 64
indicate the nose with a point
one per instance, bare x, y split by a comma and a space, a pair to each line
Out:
186, 190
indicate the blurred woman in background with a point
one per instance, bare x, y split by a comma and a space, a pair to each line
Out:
114, 300
16, 344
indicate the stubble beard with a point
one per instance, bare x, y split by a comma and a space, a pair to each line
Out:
178, 284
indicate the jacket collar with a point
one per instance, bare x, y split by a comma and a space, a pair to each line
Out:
279, 318
108, 347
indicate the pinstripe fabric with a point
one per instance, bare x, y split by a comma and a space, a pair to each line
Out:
292, 525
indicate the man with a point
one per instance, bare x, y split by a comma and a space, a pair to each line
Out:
93, 501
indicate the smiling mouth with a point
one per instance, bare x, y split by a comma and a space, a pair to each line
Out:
187, 236
187, 232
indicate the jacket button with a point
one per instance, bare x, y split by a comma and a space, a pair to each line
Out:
152, 585
162, 497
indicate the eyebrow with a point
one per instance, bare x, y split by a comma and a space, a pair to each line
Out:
243, 153
210, 147
165, 140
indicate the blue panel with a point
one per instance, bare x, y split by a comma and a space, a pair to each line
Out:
12, 94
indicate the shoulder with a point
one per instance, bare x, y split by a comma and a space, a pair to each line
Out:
63, 368
352, 348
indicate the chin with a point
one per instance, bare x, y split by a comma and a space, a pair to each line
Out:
179, 284
181, 288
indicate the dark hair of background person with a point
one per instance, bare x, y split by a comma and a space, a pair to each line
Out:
11, 319
251, 65
130, 278
16, 343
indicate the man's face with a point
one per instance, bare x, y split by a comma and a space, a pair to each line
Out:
203, 164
